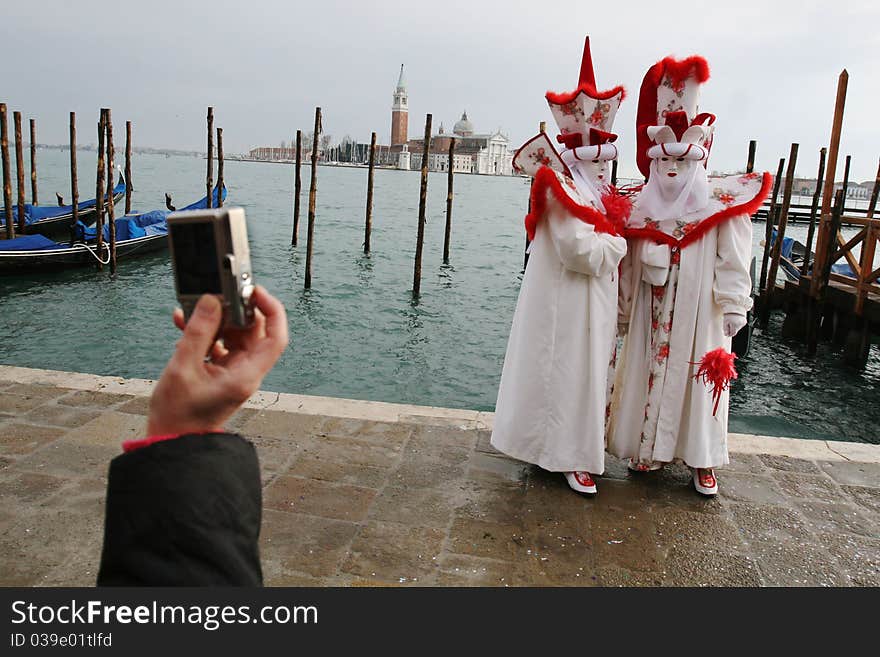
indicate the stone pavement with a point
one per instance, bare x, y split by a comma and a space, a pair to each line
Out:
362, 493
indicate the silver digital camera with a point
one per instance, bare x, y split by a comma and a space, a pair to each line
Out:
210, 255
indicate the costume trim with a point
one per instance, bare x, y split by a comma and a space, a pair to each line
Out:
546, 181
707, 224
589, 90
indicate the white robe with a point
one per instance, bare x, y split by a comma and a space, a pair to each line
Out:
713, 280
553, 391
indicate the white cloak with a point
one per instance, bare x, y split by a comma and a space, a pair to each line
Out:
713, 280
553, 391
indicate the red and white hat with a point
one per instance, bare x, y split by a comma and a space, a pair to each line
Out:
585, 116
667, 122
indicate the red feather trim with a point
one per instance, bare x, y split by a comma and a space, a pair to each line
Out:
617, 208
707, 224
546, 181
716, 369
587, 88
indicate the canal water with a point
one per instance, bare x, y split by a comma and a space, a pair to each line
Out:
358, 333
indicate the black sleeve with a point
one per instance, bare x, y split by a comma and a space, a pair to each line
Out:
184, 512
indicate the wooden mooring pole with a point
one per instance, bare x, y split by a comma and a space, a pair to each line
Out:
220, 182
820, 279
7, 176
768, 232
74, 183
111, 214
368, 226
33, 125
99, 193
750, 162
423, 201
614, 172
872, 205
313, 196
209, 180
824, 236
297, 188
19, 171
780, 235
817, 194
128, 188
449, 197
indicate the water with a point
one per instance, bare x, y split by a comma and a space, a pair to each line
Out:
358, 333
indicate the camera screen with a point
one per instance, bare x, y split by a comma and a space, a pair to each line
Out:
195, 256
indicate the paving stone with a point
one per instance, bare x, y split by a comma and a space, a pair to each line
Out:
484, 444
463, 570
789, 464
279, 424
109, 429
395, 553
699, 531
311, 467
610, 575
491, 469
353, 452
425, 472
418, 507
857, 556
615, 468
240, 418
626, 538
60, 416
36, 391
304, 544
27, 489
17, 438
137, 406
66, 459
486, 539
757, 523
500, 503
318, 498
757, 488
748, 463
852, 473
867, 498
447, 436
94, 398
366, 430
275, 454
796, 564
807, 486
838, 516
710, 568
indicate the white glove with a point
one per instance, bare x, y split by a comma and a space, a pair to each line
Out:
733, 322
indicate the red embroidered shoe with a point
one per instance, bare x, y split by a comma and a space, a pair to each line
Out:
705, 482
582, 482
644, 467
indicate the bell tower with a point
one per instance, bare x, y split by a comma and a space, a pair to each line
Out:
399, 112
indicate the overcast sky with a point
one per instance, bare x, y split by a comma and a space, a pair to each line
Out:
264, 65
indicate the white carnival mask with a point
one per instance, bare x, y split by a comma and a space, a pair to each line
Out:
596, 171
674, 174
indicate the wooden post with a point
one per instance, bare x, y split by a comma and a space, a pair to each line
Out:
820, 279
423, 200
780, 235
33, 124
614, 172
768, 232
209, 182
824, 237
845, 179
313, 194
111, 215
99, 192
750, 163
7, 176
297, 188
813, 209
220, 167
74, 184
369, 221
872, 205
19, 171
128, 167
449, 197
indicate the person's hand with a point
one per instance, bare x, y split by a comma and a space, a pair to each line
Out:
198, 395
733, 322
622, 329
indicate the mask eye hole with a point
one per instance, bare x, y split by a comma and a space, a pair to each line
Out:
681, 159
664, 159
595, 161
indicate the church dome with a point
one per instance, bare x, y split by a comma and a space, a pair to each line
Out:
463, 127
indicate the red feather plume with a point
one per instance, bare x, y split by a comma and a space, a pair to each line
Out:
617, 208
717, 370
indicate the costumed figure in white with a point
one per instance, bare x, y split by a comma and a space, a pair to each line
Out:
685, 287
553, 392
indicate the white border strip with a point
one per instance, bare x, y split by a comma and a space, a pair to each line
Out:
823, 450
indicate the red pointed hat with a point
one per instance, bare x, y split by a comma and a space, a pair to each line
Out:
667, 121
585, 116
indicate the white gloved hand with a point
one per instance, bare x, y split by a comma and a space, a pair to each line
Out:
733, 322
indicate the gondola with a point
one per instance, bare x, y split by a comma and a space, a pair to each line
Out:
791, 259
136, 234
48, 219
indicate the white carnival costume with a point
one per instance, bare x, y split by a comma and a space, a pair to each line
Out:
686, 286
553, 391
